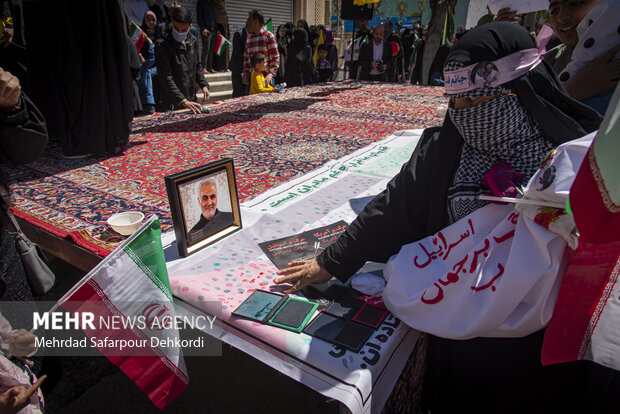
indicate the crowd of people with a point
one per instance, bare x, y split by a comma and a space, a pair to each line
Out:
517, 121
297, 55
397, 51
177, 51
588, 70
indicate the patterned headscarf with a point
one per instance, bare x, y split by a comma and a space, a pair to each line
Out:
531, 115
495, 130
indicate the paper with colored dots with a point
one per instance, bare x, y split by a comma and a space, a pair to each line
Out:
231, 269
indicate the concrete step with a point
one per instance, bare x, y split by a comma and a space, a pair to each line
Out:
218, 76
215, 96
220, 86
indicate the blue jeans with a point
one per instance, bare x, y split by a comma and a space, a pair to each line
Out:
145, 83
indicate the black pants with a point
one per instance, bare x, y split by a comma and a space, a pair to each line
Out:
238, 85
206, 55
353, 70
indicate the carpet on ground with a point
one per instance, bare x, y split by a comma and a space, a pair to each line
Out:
272, 138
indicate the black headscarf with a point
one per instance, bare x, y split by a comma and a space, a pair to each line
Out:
539, 91
311, 37
560, 117
299, 70
306, 27
282, 41
300, 39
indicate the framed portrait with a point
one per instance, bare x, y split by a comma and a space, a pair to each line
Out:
204, 205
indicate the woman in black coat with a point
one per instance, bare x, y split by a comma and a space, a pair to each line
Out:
299, 70
282, 38
440, 185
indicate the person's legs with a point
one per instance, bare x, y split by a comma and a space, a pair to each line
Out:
206, 58
238, 86
211, 51
145, 83
353, 70
148, 101
203, 52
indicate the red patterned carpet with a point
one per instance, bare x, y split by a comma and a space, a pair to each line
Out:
271, 137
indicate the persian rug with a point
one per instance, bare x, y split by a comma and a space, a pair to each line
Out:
271, 137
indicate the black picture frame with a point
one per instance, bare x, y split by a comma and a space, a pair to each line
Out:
197, 232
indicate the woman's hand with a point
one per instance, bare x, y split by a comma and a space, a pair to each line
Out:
599, 76
302, 273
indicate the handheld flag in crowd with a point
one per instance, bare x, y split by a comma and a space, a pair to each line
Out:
221, 43
395, 49
269, 26
119, 286
138, 37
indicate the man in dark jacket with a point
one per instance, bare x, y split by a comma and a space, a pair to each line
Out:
178, 65
395, 70
205, 14
375, 57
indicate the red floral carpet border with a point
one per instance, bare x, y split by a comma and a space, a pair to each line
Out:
271, 137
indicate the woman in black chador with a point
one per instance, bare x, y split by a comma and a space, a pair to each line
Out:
79, 73
519, 122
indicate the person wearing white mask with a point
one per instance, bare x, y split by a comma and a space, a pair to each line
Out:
177, 58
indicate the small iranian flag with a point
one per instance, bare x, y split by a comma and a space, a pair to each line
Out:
269, 26
131, 282
220, 45
138, 37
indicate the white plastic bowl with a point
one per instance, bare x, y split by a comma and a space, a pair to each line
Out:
126, 223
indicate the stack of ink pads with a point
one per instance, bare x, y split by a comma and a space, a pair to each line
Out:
343, 318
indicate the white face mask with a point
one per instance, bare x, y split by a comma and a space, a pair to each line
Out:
178, 36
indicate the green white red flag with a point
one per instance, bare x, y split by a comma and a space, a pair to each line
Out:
220, 45
585, 321
269, 26
133, 281
138, 37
